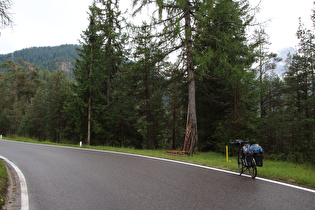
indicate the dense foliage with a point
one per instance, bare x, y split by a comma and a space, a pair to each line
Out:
127, 93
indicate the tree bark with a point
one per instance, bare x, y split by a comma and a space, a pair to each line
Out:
122, 128
148, 111
89, 123
174, 125
262, 110
191, 138
90, 101
235, 127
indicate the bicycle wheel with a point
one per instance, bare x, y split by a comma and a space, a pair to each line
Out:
252, 168
240, 162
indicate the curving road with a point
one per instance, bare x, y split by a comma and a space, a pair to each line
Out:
68, 178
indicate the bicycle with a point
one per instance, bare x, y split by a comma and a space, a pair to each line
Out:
245, 161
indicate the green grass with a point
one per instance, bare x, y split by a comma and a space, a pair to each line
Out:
299, 174
3, 183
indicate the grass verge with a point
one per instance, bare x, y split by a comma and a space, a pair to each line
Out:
299, 174
3, 183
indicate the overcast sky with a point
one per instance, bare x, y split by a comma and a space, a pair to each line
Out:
56, 22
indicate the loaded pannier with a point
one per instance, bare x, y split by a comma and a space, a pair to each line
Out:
257, 152
245, 149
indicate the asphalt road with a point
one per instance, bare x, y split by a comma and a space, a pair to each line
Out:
66, 178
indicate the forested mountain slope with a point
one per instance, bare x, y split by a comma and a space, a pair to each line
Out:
47, 58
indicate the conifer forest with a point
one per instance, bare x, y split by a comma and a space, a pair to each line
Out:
194, 76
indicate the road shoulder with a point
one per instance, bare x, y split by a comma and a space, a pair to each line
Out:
13, 197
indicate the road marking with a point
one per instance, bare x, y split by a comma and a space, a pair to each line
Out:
180, 162
23, 185
286, 184
211, 168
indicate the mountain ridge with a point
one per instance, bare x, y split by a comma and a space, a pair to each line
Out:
47, 58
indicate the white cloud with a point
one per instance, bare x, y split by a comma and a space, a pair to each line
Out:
284, 15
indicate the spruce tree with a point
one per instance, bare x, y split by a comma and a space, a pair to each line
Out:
177, 33
113, 39
21, 86
299, 79
265, 61
100, 58
149, 71
306, 55
200, 29
89, 77
225, 83
44, 118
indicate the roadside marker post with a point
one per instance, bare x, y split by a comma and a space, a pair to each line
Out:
227, 154
80, 142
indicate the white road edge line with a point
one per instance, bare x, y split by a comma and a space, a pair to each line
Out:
200, 166
205, 167
214, 169
184, 163
23, 185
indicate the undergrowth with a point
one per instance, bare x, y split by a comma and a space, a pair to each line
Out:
3, 183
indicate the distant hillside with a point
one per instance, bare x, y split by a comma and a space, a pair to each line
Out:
50, 58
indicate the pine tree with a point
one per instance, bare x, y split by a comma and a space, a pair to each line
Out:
44, 118
110, 27
177, 30
22, 83
57, 91
265, 61
306, 55
90, 77
144, 57
192, 26
299, 79
272, 130
224, 58
149, 68
124, 100
99, 60
114, 39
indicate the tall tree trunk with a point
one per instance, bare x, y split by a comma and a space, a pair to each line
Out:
191, 138
148, 113
122, 128
174, 87
147, 92
307, 109
235, 128
90, 100
55, 118
89, 123
307, 113
174, 125
262, 110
